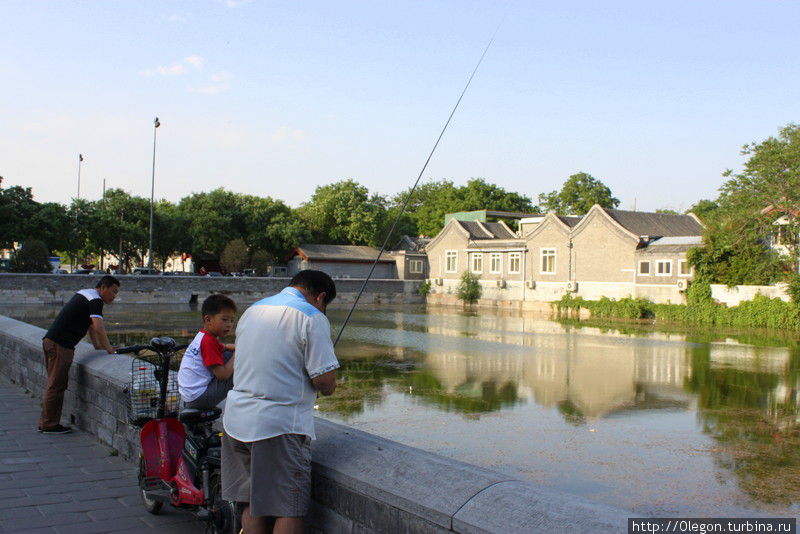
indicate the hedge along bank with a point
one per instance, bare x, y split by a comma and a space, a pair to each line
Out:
701, 309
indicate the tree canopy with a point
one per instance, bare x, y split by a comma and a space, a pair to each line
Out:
577, 195
741, 222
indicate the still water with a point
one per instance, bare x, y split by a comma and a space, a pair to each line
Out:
680, 422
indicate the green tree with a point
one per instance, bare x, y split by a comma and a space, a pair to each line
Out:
469, 289
578, 194
740, 223
31, 258
17, 208
345, 213
260, 261
234, 256
431, 201
704, 209
215, 218
169, 232
270, 225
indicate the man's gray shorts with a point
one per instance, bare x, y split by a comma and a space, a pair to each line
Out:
273, 475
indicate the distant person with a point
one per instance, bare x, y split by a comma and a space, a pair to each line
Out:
206, 372
83, 312
203, 271
284, 357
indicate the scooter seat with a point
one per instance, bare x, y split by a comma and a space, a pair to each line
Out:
190, 416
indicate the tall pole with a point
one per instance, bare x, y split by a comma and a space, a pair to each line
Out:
156, 124
80, 159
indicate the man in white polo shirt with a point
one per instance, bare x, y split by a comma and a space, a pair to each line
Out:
284, 357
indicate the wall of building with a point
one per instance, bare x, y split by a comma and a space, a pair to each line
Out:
453, 239
732, 296
50, 289
601, 251
360, 482
549, 236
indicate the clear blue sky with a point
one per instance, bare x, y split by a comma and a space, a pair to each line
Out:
277, 97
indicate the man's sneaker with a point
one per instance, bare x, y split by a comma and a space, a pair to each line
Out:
58, 429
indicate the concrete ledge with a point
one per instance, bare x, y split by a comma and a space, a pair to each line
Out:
362, 483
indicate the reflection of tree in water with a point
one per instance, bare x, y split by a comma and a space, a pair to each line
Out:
361, 387
471, 397
755, 420
365, 381
571, 413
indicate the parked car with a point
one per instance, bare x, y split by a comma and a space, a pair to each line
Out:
82, 271
249, 272
145, 271
214, 274
237, 275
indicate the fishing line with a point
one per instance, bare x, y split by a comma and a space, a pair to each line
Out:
411, 192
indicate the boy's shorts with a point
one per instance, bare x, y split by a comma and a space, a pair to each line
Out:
215, 393
273, 475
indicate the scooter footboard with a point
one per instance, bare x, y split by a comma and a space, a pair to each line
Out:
162, 444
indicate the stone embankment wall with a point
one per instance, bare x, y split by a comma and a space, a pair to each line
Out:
361, 483
517, 296
58, 288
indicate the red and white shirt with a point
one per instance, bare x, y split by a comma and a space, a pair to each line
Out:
194, 375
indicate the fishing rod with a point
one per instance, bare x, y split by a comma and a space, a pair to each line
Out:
414, 187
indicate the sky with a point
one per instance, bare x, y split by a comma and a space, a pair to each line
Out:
275, 98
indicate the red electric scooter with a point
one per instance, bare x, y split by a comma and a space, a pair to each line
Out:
180, 460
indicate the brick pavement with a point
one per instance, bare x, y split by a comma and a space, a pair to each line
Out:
68, 483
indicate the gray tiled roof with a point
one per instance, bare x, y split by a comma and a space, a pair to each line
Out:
669, 245
570, 220
489, 230
342, 252
656, 224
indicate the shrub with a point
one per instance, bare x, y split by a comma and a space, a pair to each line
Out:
424, 288
31, 258
469, 290
793, 287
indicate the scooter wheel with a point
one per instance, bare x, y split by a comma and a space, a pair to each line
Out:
224, 517
150, 504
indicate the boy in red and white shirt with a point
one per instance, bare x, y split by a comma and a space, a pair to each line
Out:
206, 373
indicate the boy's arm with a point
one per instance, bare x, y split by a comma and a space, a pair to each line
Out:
223, 372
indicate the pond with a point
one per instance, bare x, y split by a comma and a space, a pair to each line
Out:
662, 422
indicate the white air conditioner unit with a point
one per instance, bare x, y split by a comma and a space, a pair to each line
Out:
682, 285
572, 286
438, 281
501, 283
530, 284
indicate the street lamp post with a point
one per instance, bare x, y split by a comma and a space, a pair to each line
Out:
156, 124
80, 160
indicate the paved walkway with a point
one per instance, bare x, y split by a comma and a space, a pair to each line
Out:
68, 483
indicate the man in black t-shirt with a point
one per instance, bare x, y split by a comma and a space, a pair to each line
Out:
83, 312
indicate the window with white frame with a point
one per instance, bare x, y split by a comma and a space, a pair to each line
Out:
683, 268
415, 266
476, 262
514, 262
548, 256
644, 268
451, 261
495, 263
664, 268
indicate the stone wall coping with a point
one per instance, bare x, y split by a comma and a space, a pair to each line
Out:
448, 494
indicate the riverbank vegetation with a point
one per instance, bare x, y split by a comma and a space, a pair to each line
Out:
701, 309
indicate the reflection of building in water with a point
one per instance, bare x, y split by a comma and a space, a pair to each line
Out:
596, 377
596, 371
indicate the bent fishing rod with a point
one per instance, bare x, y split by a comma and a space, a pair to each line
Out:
414, 187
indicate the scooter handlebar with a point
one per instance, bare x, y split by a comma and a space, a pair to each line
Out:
137, 348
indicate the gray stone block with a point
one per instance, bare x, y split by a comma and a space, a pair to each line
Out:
518, 506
